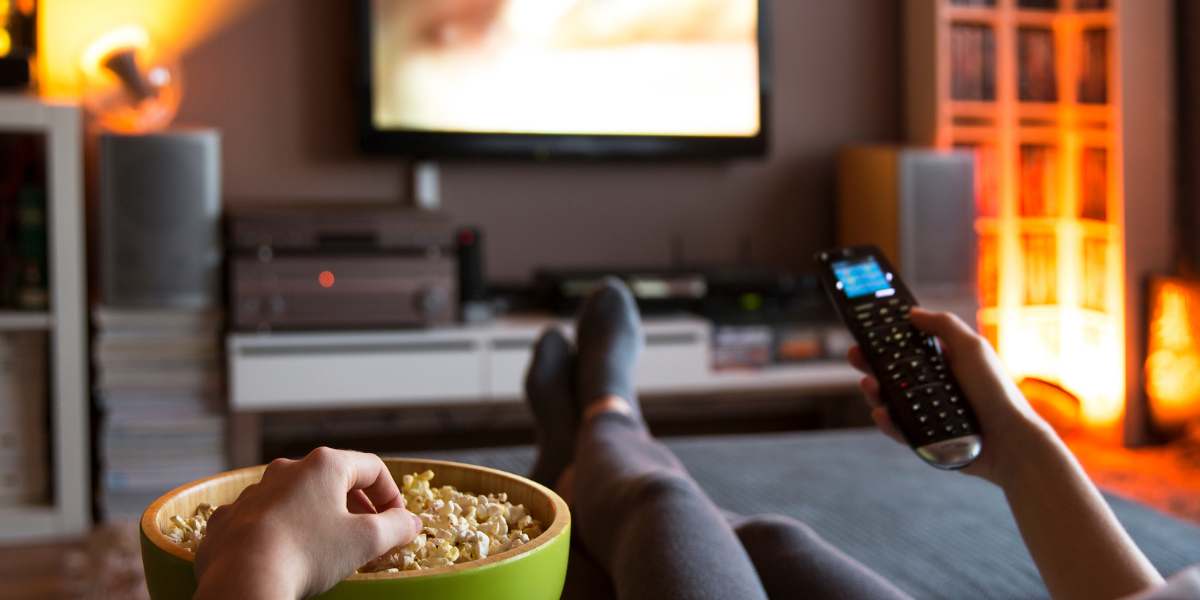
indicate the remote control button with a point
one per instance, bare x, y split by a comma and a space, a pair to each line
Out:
929, 433
883, 312
929, 391
942, 415
916, 407
862, 307
922, 419
867, 324
949, 429
936, 403
966, 427
953, 399
893, 301
961, 412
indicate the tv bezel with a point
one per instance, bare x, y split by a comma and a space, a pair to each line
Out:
447, 144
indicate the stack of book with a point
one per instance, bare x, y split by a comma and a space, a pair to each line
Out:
972, 62
1038, 79
24, 447
1093, 73
160, 394
23, 222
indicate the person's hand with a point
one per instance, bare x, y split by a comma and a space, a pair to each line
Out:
1007, 420
306, 526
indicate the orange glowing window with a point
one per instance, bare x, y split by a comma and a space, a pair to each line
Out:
326, 279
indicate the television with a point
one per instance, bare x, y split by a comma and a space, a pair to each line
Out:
563, 78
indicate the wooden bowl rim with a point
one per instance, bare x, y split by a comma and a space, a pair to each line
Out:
562, 520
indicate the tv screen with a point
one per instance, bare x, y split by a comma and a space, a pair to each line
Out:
547, 78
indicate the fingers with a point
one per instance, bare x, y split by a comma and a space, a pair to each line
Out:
358, 504
364, 472
883, 420
858, 360
387, 530
945, 326
874, 394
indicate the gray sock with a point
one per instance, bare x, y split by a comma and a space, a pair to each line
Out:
610, 342
548, 391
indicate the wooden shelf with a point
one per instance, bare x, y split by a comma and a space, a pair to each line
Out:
15, 320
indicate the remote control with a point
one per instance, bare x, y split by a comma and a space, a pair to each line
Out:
922, 396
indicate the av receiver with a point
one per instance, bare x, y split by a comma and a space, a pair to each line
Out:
341, 268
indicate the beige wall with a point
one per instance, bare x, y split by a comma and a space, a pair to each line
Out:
277, 81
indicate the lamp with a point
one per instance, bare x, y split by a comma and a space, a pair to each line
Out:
129, 84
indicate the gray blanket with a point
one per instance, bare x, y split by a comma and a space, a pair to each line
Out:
934, 534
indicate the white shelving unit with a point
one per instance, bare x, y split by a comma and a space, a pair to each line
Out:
68, 512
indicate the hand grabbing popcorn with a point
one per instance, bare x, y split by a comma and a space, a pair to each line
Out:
458, 527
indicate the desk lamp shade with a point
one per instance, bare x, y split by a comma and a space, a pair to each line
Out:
129, 84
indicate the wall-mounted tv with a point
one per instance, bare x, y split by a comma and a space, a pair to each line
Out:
564, 78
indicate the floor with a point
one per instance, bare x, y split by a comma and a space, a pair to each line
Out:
1164, 477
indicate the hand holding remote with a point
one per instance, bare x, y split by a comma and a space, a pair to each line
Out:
1008, 421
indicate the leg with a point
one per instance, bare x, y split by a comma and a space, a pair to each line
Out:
791, 558
640, 515
647, 523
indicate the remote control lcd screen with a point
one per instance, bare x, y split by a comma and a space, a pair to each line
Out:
861, 277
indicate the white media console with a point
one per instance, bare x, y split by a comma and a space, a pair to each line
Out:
471, 364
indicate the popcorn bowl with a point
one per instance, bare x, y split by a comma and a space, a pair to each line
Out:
534, 571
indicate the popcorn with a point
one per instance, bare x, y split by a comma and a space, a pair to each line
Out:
189, 533
458, 527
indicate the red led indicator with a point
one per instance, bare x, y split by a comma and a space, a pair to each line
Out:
326, 279
466, 237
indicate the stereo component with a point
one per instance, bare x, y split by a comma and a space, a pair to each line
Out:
341, 268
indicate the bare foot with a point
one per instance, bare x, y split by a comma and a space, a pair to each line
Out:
610, 403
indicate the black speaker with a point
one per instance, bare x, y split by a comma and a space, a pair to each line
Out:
160, 213
473, 298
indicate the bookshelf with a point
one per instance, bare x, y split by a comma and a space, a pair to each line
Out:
1032, 87
54, 308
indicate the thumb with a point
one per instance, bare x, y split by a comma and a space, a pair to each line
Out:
951, 330
388, 529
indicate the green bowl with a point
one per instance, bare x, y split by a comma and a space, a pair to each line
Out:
534, 571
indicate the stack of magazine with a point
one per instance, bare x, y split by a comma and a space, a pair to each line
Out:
23, 444
160, 395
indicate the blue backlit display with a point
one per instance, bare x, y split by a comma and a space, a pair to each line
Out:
861, 276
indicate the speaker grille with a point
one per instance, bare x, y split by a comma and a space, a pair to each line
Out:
160, 208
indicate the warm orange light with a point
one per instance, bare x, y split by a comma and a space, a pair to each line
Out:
129, 36
67, 27
1173, 347
326, 279
1052, 244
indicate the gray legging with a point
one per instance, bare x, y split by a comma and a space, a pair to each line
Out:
647, 530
